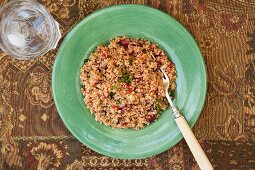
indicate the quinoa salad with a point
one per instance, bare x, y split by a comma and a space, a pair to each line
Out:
122, 82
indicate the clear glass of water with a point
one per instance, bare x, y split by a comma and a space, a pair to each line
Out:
27, 29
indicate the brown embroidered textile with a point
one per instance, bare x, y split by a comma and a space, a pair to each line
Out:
32, 135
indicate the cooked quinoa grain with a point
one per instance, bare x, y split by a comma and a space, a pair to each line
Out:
122, 84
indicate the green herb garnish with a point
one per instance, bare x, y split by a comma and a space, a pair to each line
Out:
158, 106
116, 112
114, 87
111, 94
118, 101
125, 77
158, 100
86, 60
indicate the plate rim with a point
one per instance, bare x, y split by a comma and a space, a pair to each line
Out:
88, 18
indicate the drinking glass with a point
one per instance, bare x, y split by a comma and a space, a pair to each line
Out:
27, 29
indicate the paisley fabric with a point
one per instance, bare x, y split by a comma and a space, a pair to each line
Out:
32, 135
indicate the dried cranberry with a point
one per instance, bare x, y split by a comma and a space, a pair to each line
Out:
115, 107
124, 124
90, 102
103, 55
83, 91
129, 91
128, 85
152, 118
171, 66
123, 110
124, 42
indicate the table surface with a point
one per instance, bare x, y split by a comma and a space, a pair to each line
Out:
33, 136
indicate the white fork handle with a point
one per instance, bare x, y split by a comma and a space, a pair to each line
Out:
193, 144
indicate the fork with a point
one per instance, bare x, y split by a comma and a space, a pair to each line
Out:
185, 129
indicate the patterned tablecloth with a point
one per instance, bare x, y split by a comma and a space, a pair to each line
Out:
32, 135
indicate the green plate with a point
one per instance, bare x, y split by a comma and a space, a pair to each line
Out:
134, 21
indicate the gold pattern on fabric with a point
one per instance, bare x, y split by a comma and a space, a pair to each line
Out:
32, 135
